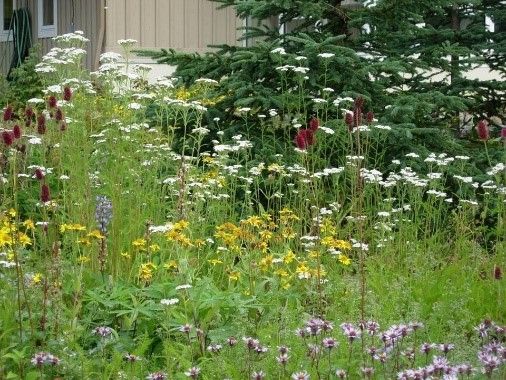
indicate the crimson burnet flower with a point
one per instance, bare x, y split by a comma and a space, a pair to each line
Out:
8, 113
51, 101
58, 115
482, 130
41, 124
359, 102
497, 272
348, 119
503, 133
7, 137
314, 123
45, 195
304, 138
369, 117
16, 130
29, 112
67, 93
39, 174
63, 126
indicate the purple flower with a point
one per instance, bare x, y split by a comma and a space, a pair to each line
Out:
372, 327
251, 343
302, 333
426, 348
214, 348
446, 347
329, 343
490, 362
350, 332
465, 369
314, 326
409, 354
440, 364
302, 375
367, 372
259, 349
231, 341
341, 373
102, 331
157, 376
258, 375
282, 359
103, 212
131, 358
313, 351
193, 372
42, 358
186, 328
283, 350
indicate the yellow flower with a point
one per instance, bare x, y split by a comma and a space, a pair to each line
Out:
154, 248
181, 225
199, 243
24, 240
328, 227
96, 234
37, 278
28, 224
146, 271
171, 264
84, 241
215, 261
83, 259
5, 238
126, 255
266, 262
139, 243
303, 271
313, 254
72, 227
254, 221
286, 215
341, 244
234, 275
281, 273
12, 213
265, 235
289, 257
321, 272
345, 260
285, 284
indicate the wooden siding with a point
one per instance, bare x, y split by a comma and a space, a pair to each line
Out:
86, 18
185, 25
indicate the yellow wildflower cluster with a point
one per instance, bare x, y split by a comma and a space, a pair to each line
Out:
10, 233
71, 227
176, 234
328, 240
146, 272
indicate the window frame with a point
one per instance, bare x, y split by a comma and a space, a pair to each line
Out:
47, 31
5, 35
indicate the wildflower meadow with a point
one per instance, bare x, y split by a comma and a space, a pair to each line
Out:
145, 234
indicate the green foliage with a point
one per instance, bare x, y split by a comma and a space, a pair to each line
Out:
24, 83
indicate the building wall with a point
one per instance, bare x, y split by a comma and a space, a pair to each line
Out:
185, 25
71, 16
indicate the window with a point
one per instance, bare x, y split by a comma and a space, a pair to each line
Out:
47, 18
6, 10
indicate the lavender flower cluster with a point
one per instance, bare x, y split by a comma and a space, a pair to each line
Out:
44, 358
103, 212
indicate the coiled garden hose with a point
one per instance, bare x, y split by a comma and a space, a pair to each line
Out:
21, 37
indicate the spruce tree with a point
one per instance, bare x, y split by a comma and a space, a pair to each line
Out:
407, 58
